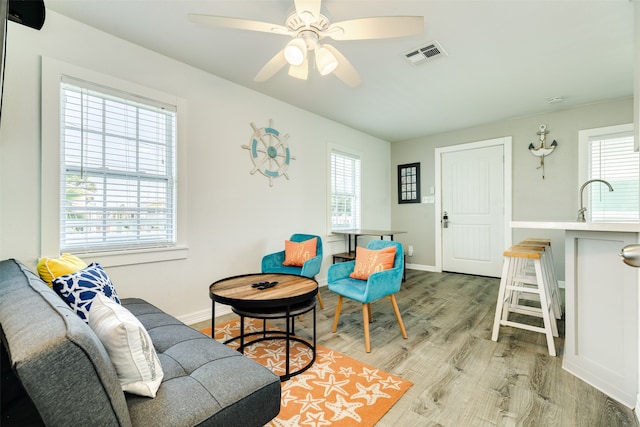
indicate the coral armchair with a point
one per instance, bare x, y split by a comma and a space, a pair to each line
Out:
273, 263
380, 284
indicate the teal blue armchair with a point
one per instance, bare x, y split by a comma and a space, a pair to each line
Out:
382, 284
272, 263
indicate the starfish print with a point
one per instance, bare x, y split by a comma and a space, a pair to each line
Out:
309, 403
274, 365
226, 331
369, 374
316, 420
287, 397
250, 352
332, 385
250, 327
343, 409
305, 352
296, 363
291, 422
251, 323
249, 349
299, 381
390, 382
330, 356
322, 369
370, 394
300, 359
347, 371
273, 353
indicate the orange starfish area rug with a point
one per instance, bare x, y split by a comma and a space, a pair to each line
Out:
337, 390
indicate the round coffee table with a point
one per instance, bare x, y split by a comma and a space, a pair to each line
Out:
268, 296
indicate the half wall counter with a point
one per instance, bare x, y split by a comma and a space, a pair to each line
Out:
601, 305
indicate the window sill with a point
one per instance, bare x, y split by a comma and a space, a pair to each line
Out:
134, 257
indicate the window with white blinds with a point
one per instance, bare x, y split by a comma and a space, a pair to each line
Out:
118, 170
345, 191
613, 159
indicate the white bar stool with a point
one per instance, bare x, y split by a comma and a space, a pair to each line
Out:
515, 283
548, 261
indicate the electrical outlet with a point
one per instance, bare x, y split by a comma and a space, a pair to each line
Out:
410, 250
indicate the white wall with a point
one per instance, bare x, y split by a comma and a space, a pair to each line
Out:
233, 218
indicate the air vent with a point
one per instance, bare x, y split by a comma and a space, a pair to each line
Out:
424, 53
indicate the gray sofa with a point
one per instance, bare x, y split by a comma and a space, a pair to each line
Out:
55, 371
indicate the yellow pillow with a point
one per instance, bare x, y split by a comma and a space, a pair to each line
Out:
50, 268
296, 253
370, 261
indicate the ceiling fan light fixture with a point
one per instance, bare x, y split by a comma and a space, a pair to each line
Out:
307, 23
295, 52
325, 61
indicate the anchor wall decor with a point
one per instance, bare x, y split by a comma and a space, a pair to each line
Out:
542, 151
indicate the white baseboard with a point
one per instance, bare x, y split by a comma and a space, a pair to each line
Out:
197, 317
203, 315
422, 267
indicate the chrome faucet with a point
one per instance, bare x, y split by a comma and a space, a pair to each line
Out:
582, 208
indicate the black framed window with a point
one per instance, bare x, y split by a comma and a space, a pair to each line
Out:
409, 183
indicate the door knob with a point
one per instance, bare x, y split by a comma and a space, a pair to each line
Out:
445, 220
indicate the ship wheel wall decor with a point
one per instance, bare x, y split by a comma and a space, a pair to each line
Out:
269, 152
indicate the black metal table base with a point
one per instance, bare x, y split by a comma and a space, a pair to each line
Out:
288, 313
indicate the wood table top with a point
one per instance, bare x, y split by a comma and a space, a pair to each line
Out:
237, 290
367, 232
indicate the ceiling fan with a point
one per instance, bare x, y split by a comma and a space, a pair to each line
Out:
308, 26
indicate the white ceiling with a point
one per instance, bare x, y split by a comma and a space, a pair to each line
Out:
505, 58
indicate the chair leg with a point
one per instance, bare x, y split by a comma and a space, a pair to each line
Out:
398, 317
320, 299
337, 316
365, 321
369, 313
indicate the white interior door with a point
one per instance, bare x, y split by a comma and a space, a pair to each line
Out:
473, 197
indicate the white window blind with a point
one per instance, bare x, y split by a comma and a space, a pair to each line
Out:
345, 191
117, 170
612, 158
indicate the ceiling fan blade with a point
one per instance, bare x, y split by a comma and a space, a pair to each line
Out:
238, 23
274, 65
300, 71
312, 7
344, 71
378, 27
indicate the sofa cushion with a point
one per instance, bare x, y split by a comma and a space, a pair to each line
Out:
129, 346
80, 288
50, 268
211, 383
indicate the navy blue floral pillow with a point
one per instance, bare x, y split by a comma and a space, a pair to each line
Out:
80, 288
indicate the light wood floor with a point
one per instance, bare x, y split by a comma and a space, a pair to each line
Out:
460, 376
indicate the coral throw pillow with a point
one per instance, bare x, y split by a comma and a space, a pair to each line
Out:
296, 253
50, 268
370, 261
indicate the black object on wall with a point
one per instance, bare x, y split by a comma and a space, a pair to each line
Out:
27, 12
